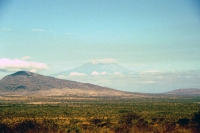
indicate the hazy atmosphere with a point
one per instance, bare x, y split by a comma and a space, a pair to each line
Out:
131, 45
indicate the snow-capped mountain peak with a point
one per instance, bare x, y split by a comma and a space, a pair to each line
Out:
96, 68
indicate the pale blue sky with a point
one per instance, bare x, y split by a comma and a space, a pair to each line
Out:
141, 35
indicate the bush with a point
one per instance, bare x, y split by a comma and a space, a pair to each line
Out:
96, 121
183, 121
28, 126
127, 119
196, 118
49, 125
196, 122
5, 129
75, 129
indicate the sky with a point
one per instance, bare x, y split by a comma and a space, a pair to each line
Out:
153, 38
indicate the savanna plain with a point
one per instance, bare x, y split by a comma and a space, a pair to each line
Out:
155, 114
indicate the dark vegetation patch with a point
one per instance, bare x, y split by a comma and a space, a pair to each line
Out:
20, 87
24, 73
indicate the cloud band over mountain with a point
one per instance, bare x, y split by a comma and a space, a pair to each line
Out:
10, 65
106, 60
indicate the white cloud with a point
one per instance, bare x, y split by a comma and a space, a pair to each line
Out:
106, 60
6, 29
150, 72
19, 65
149, 82
117, 73
37, 30
76, 74
95, 73
33, 70
26, 58
103, 73
72, 33
62, 77
160, 77
98, 73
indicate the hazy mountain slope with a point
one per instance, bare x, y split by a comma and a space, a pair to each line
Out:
101, 68
192, 91
27, 83
33, 81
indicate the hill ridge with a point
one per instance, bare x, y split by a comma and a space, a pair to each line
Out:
186, 91
23, 82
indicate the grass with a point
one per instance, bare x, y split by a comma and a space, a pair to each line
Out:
94, 114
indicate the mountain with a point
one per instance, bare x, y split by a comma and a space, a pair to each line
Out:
28, 83
91, 68
192, 91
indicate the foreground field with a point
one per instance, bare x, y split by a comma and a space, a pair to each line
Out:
101, 115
